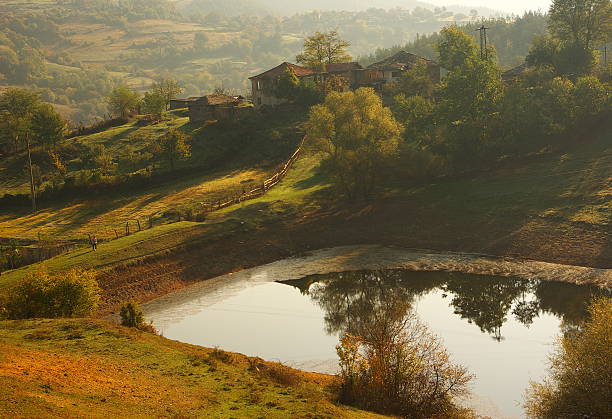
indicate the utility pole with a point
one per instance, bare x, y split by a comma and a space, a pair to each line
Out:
484, 53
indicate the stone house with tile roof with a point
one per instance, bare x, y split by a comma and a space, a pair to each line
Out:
389, 70
263, 85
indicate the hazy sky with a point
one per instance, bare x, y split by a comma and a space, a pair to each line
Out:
514, 6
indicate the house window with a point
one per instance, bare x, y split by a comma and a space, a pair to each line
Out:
258, 85
259, 101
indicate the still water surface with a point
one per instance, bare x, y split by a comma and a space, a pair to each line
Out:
500, 328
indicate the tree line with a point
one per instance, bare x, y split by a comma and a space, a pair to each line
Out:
33, 129
471, 118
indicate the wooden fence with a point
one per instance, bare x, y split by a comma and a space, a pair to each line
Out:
134, 225
260, 190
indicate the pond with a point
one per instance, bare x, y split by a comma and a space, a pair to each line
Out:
501, 329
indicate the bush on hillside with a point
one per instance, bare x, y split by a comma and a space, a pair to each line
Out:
132, 316
74, 293
578, 385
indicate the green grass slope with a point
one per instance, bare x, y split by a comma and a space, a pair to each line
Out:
89, 368
227, 158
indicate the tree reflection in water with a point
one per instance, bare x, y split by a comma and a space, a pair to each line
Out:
353, 301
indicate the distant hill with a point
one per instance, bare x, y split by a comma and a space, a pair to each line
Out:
227, 7
282, 7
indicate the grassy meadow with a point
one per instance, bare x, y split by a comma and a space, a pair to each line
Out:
225, 161
77, 368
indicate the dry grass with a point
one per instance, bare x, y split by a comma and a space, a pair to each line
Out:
84, 368
102, 216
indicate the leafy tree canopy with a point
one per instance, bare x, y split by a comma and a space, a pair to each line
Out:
122, 101
578, 384
586, 22
324, 48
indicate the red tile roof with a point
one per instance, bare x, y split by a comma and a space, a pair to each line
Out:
342, 67
280, 69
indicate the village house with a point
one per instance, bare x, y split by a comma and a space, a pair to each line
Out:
376, 75
264, 85
391, 69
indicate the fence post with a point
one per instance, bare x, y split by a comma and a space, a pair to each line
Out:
116, 234
127, 228
138, 221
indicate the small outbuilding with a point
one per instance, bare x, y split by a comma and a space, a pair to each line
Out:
182, 103
218, 107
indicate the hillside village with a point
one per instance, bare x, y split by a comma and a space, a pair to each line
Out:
352, 75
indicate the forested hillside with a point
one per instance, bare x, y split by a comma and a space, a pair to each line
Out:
73, 52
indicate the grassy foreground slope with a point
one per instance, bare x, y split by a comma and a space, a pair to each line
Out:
90, 368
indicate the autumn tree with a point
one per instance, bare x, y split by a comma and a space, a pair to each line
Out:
324, 48
578, 384
173, 146
122, 101
397, 366
74, 293
357, 135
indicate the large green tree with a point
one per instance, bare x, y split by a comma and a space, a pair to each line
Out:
48, 126
153, 103
167, 88
173, 146
455, 47
587, 22
469, 95
18, 108
324, 48
122, 101
358, 136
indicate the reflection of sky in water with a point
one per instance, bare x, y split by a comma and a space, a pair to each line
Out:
276, 322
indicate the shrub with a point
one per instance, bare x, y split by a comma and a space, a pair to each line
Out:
219, 355
132, 316
578, 385
74, 293
398, 367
